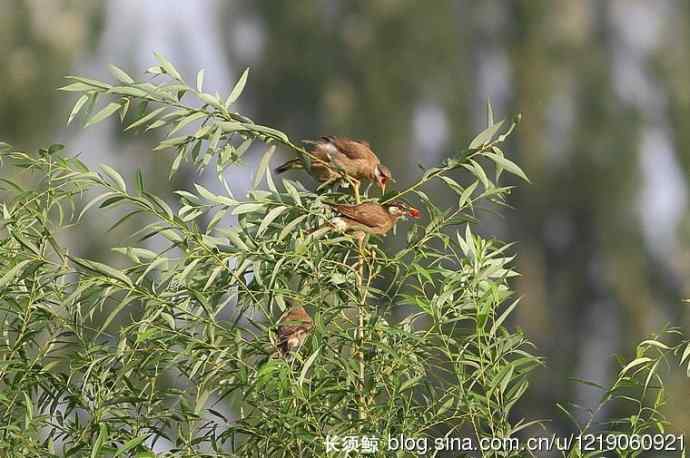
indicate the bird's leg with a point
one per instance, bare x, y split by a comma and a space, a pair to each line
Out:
355, 187
326, 183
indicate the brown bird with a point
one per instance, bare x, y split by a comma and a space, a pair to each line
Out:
371, 218
293, 328
353, 157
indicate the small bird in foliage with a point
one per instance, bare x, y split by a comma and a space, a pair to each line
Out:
353, 157
293, 328
370, 218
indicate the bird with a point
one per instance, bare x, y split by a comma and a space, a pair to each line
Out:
370, 218
354, 157
293, 328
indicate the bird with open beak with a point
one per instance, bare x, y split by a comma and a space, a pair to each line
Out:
293, 328
353, 157
370, 218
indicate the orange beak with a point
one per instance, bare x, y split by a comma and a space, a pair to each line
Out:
382, 185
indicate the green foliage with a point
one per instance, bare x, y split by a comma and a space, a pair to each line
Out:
177, 348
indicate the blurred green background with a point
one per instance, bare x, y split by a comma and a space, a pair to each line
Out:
602, 231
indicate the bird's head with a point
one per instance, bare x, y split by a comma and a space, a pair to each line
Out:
382, 174
398, 209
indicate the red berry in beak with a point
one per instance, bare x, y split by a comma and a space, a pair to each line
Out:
414, 213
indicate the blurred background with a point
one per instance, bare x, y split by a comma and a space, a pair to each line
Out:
603, 231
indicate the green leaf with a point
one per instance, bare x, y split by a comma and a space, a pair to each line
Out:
187, 120
237, 90
129, 445
90, 82
12, 273
109, 109
686, 353
411, 383
145, 118
634, 363
200, 81
77, 107
235, 239
485, 136
128, 91
466, 194
503, 317
263, 165
306, 366
508, 165
167, 66
292, 191
93, 202
111, 316
120, 74
208, 195
100, 440
269, 218
291, 226
103, 269
247, 208
115, 177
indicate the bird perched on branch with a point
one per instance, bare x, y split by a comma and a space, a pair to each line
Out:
293, 328
370, 218
332, 155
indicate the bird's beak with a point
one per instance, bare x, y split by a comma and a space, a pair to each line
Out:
383, 187
414, 213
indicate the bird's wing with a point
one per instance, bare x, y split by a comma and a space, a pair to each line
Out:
353, 149
368, 214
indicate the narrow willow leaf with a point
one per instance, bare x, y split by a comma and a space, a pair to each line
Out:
686, 353
158, 262
90, 82
93, 202
489, 114
129, 445
103, 269
269, 218
208, 195
167, 66
497, 324
235, 239
76, 87
77, 107
188, 269
109, 109
187, 120
200, 80
100, 440
411, 383
247, 208
128, 91
115, 177
237, 90
634, 363
292, 191
485, 136
307, 365
508, 165
291, 226
113, 313
120, 74
263, 165
13, 273
145, 118
467, 194
212, 277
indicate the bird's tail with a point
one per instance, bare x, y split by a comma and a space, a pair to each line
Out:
293, 164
